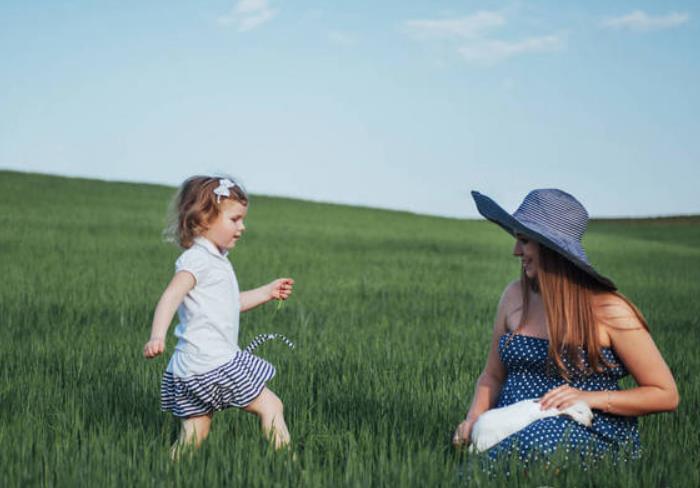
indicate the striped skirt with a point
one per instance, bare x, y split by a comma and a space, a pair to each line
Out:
234, 384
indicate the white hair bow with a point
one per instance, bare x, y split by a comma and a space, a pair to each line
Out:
223, 189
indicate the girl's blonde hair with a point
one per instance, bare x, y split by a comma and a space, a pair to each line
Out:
567, 293
195, 207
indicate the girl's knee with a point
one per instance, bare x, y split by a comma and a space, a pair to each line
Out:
196, 427
272, 404
267, 402
275, 403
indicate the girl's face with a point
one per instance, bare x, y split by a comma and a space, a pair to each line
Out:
529, 253
228, 226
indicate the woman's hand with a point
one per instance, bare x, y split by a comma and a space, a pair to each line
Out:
463, 433
154, 347
281, 288
564, 396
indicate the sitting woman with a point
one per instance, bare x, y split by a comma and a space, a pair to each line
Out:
564, 333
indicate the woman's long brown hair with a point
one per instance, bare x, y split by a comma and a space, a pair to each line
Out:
567, 293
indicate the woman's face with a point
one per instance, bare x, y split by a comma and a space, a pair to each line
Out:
529, 253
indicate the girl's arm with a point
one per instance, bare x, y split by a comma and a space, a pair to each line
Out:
172, 297
489, 384
280, 289
657, 391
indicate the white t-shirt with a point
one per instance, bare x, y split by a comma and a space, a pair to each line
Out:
209, 314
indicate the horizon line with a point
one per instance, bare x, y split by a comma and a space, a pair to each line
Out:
345, 204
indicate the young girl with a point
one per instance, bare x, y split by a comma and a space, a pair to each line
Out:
208, 371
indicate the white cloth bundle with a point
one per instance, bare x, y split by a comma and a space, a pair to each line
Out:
496, 424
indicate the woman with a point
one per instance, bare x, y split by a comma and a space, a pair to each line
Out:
562, 334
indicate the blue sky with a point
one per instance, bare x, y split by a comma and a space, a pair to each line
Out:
394, 104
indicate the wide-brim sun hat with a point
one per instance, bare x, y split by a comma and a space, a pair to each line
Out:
553, 218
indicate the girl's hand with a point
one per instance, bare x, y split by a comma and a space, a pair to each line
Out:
281, 289
463, 433
154, 347
562, 397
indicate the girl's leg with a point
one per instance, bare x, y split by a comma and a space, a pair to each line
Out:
193, 431
270, 410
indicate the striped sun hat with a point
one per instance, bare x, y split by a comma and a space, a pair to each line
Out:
551, 217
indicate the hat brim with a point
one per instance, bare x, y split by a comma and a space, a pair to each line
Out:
496, 214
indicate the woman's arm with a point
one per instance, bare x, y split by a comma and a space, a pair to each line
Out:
656, 390
171, 298
489, 384
279, 289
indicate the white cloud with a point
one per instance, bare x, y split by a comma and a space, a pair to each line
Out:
342, 38
458, 27
250, 6
492, 51
246, 15
473, 37
642, 21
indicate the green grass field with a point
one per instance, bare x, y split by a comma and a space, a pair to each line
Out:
391, 314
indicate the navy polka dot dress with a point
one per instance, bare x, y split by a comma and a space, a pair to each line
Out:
529, 376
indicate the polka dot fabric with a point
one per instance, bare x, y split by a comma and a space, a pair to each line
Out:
529, 376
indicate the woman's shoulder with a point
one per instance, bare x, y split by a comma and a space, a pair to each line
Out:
510, 304
512, 296
615, 312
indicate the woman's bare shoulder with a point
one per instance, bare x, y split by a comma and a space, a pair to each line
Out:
511, 301
616, 313
512, 295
